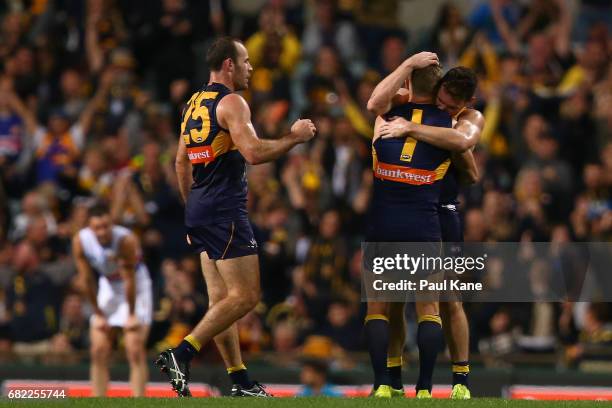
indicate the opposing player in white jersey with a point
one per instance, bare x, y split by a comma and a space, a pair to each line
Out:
110, 256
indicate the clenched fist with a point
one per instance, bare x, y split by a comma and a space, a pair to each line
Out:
303, 130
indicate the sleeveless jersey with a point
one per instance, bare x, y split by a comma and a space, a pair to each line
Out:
407, 177
219, 190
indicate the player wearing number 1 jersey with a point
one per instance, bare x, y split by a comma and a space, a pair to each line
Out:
217, 139
455, 94
407, 182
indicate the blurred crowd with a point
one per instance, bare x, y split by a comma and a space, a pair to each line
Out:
90, 99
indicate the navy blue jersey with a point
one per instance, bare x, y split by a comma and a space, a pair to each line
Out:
407, 177
449, 187
219, 190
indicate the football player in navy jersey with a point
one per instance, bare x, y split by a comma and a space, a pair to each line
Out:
217, 139
455, 95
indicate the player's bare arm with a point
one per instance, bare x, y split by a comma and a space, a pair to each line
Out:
388, 92
466, 165
462, 137
127, 260
378, 124
234, 114
183, 169
86, 277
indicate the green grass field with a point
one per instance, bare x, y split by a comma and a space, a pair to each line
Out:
296, 403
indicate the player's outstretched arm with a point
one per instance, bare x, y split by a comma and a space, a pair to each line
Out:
233, 112
388, 90
462, 137
86, 275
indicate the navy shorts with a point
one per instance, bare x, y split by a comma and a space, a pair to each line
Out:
406, 226
451, 228
224, 240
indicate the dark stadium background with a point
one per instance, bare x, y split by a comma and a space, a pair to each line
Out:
121, 70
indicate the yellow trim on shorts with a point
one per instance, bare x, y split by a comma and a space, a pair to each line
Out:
430, 318
394, 361
376, 317
194, 342
229, 242
461, 368
231, 370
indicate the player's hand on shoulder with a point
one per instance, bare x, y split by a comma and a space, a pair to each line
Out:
395, 127
303, 130
423, 59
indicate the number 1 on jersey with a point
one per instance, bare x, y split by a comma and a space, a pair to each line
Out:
410, 144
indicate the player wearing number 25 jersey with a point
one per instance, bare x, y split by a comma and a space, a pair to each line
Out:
215, 211
219, 189
217, 140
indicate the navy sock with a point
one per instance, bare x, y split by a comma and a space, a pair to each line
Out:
429, 341
185, 351
377, 336
395, 376
461, 371
240, 376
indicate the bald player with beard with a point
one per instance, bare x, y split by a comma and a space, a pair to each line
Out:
217, 139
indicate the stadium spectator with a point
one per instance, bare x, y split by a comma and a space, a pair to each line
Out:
173, 35
33, 206
392, 54
325, 266
32, 297
273, 33
72, 339
95, 178
496, 19
596, 332
341, 322
325, 30
501, 341
12, 132
450, 34
314, 380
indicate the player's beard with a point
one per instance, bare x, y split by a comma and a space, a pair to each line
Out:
243, 83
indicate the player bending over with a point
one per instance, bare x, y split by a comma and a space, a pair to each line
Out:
111, 255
